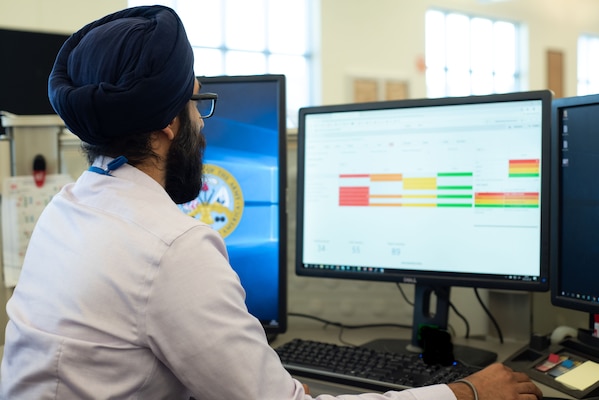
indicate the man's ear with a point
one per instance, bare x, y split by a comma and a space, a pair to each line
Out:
172, 129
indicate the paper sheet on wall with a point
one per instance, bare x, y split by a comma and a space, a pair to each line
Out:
22, 204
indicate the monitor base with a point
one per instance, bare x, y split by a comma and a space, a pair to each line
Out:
465, 354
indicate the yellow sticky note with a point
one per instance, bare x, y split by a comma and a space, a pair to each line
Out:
581, 377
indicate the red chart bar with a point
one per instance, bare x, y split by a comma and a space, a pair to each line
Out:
354, 196
354, 175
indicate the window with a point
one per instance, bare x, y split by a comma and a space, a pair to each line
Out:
588, 65
468, 55
249, 37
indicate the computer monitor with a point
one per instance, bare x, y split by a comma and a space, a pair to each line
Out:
243, 194
435, 192
27, 59
574, 251
575, 271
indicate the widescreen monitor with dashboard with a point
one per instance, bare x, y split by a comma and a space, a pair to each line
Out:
243, 193
434, 192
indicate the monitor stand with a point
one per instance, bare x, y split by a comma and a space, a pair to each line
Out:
437, 320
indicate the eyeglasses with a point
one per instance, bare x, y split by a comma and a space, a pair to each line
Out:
206, 103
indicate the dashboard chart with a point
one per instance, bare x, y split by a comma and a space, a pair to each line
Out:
448, 192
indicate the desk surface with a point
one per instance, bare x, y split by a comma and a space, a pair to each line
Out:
311, 330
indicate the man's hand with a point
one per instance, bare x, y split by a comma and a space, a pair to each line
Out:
306, 388
498, 382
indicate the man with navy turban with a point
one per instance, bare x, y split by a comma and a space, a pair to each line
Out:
122, 295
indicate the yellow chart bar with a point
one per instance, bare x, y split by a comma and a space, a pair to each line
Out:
420, 183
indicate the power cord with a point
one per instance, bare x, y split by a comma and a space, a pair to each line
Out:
455, 310
453, 307
497, 328
403, 294
343, 326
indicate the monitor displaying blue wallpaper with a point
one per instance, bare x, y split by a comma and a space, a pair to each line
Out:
243, 194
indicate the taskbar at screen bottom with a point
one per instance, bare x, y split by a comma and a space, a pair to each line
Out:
408, 276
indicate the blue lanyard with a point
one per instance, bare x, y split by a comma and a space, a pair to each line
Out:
114, 164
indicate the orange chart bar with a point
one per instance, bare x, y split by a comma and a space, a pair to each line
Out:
386, 177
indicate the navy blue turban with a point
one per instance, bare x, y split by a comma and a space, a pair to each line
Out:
128, 73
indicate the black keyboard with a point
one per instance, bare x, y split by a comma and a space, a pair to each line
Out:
365, 368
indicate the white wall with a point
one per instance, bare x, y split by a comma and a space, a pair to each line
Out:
386, 37
56, 16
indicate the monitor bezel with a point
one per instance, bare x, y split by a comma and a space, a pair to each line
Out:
280, 81
557, 299
438, 277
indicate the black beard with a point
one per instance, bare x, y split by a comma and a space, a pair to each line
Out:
184, 162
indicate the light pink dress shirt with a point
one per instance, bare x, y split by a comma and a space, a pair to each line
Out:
123, 296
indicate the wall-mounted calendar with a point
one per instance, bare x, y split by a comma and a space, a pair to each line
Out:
22, 204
